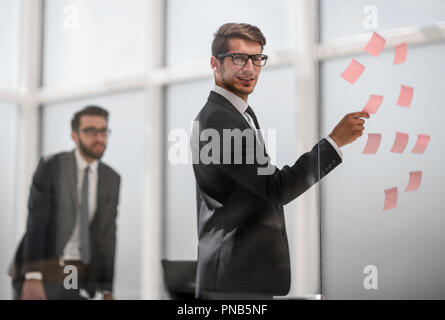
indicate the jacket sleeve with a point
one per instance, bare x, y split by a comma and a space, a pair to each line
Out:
40, 206
263, 179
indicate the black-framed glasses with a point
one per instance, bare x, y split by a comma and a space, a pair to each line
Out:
93, 132
240, 59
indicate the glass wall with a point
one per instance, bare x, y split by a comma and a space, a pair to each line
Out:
9, 133
402, 246
91, 41
9, 42
345, 18
8, 142
191, 25
84, 42
97, 52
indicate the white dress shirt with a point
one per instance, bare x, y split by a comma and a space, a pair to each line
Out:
242, 105
239, 104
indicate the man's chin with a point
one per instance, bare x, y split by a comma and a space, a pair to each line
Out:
95, 155
245, 90
98, 152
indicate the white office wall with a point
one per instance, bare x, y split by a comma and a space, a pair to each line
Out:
125, 154
405, 243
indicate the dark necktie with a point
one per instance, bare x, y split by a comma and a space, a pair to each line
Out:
250, 112
84, 225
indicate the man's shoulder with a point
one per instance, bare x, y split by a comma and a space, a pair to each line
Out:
50, 164
216, 110
49, 160
109, 171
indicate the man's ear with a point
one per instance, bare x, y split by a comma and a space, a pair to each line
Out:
214, 63
74, 137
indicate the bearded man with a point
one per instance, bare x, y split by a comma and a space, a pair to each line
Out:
70, 238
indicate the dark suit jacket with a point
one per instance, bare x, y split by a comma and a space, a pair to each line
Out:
243, 247
52, 217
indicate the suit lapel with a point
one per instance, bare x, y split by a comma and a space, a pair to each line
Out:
71, 179
219, 99
100, 194
67, 184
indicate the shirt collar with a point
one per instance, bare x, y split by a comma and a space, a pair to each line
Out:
237, 102
82, 163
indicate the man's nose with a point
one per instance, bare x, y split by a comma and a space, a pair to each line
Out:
249, 65
100, 137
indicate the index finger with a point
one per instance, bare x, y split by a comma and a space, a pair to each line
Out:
361, 114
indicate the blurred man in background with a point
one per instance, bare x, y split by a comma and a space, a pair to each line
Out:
70, 238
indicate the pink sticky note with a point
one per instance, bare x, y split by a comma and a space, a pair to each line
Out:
415, 178
400, 142
406, 96
353, 71
373, 104
375, 45
390, 199
400, 53
422, 142
373, 143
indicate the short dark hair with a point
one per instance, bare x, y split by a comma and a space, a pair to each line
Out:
228, 31
87, 111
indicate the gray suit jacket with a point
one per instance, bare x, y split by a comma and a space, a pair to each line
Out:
52, 217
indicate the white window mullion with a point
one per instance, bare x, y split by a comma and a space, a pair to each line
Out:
29, 77
151, 277
11, 96
306, 279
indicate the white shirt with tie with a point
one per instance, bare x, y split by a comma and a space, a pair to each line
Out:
242, 105
72, 248
71, 251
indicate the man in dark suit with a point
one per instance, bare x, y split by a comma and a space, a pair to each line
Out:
70, 238
243, 248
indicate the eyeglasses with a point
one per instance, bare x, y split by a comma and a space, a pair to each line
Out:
93, 132
240, 59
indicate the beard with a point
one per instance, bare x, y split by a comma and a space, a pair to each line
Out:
89, 151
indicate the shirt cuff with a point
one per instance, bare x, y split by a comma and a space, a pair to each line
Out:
33, 276
332, 142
